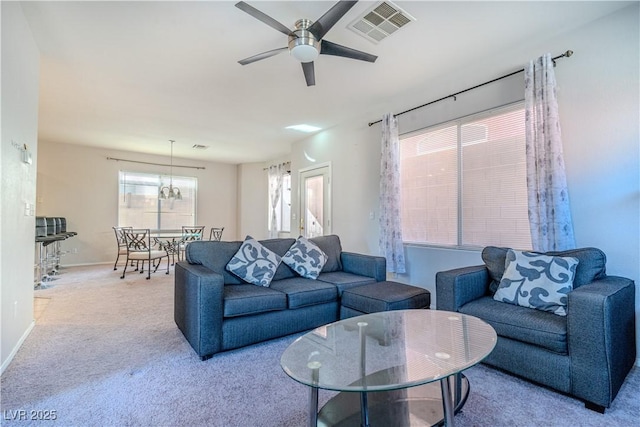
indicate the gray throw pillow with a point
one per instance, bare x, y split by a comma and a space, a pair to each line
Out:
254, 263
305, 258
494, 258
537, 281
331, 246
591, 264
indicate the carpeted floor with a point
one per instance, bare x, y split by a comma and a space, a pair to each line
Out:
106, 352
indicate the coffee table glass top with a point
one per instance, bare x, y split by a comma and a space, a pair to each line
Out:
388, 350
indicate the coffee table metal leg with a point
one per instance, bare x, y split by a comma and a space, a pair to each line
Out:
447, 402
457, 389
313, 407
364, 410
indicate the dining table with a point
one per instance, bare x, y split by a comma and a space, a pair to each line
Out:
170, 241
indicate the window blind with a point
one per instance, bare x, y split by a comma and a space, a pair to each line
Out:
464, 182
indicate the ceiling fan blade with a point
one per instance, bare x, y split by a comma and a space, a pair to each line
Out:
328, 20
261, 16
328, 48
263, 55
309, 73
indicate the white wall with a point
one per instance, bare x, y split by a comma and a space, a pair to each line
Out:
20, 76
353, 153
253, 201
599, 107
79, 183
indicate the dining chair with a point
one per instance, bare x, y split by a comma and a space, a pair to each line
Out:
139, 249
121, 242
216, 233
190, 233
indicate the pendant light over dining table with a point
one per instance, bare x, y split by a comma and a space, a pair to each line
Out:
170, 192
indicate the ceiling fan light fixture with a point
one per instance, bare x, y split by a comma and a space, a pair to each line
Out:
304, 52
303, 45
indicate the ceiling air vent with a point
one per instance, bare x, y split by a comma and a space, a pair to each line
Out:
200, 147
381, 21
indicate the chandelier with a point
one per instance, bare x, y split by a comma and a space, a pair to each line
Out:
170, 192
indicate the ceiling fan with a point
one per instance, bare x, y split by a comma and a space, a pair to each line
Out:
306, 39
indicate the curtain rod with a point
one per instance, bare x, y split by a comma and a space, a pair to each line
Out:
155, 164
278, 164
453, 95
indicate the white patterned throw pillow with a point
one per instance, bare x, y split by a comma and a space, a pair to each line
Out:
537, 281
254, 263
305, 258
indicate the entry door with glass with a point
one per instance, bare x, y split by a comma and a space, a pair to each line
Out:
315, 198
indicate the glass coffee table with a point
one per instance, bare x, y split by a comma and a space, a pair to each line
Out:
391, 368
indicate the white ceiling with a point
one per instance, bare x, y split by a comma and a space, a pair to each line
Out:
132, 75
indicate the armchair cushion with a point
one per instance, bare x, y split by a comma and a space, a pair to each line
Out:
536, 327
537, 281
591, 264
494, 258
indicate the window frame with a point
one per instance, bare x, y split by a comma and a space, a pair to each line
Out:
459, 122
162, 180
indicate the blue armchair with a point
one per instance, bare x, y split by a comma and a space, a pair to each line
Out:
586, 354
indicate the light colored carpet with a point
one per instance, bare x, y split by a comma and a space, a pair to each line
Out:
107, 352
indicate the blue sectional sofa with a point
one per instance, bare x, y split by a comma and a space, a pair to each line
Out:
586, 354
216, 311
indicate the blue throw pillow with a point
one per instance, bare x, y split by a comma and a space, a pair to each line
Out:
537, 281
254, 263
305, 258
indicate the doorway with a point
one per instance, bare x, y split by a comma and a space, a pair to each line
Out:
315, 201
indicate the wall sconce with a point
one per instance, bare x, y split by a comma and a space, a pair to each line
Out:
24, 152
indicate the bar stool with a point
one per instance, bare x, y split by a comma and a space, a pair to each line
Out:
63, 225
53, 252
43, 241
61, 231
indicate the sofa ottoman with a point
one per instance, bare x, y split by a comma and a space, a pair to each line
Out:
382, 296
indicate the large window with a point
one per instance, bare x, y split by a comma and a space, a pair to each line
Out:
464, 182
140, 207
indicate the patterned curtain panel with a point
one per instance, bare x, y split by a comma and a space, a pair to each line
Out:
548, 196
276, 175
390, 221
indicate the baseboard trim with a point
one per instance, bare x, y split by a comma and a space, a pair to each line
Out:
13, 353
87, 264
